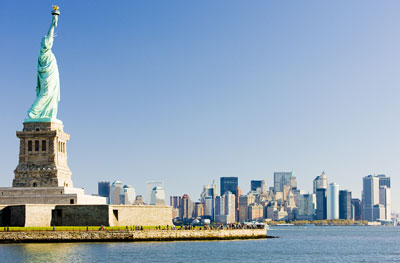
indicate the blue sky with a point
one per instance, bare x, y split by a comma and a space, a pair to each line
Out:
189, 91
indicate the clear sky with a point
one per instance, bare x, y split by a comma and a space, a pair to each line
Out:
189, 91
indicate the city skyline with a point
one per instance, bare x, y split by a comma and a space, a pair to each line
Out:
204, 91
285, 202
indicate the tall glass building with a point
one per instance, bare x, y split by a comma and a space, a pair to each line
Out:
321, 204
345, 211
104, 188
260, 185
333, 201
370, 197
284, 178
229, 184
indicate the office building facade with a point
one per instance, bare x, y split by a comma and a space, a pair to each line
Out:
345, 207
320, 182
357, 209
229, 184
284, 178
321, 196
333, 201
370, 197
258, 186
149, 188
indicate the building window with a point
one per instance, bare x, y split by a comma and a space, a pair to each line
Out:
71, 201
34, 185
29, 146
44, 145
36, 146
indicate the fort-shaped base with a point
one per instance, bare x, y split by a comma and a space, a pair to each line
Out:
47, 195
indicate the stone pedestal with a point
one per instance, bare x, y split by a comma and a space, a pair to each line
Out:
42, 175
42, 156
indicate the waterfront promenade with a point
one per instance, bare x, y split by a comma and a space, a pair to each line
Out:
80, 235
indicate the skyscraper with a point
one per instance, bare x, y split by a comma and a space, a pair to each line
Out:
104, 190
175, 201
356, 203
320, 182
384, 199
186, 208
129, 195
219, 208
321, 204
198, 209
117, 193
306, 210
149, 188
384, 180
385, 196
333, 201
157, 196
230, 210
229, 184
258, 185
345, 205
370, 197
284, 178
209, 207
244, 202
209, 190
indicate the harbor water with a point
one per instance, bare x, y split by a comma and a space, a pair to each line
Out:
295, 244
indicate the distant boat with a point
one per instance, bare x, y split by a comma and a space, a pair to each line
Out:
285, 224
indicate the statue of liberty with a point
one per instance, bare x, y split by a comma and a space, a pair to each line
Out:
44, 108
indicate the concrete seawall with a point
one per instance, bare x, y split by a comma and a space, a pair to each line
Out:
137, 235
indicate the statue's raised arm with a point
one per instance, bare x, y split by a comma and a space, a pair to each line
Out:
52, 26
45, 106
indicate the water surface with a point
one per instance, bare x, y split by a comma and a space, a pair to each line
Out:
296, 244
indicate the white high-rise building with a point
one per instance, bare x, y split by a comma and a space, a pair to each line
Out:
230, 211
225, 211
384, 199
129, 195
157, 196
320, 182
149, 188
209, 206
333, 201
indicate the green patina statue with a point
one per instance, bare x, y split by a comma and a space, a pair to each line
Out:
44, 108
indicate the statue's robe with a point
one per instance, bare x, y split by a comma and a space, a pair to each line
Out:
48, 83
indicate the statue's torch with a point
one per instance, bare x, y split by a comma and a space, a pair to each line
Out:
55, 10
